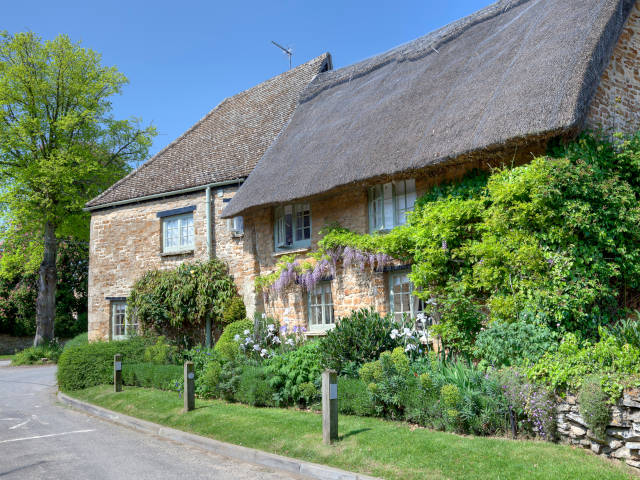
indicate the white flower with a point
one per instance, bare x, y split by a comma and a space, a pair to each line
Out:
271, 327
276, 340
424, 339
394, 333
406, 332
290, 342
421, 317
256, 347
248, 340
264, 352
237, 337
264, 315
410, 347
247, 332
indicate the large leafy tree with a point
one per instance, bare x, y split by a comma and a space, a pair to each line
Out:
59, 147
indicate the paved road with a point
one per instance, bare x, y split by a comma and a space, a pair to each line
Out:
39, 438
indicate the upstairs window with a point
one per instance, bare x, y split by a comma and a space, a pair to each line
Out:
389, 204
321, 307
236, 226
402, 301
292, 226
121, 325
177, 233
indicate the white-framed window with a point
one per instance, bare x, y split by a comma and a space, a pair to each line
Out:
402, 301
292, 226
389, 204
236, 226
121, 325
177, 233
321, 307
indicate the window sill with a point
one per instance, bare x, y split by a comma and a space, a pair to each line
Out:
177, 253
280, 253
319, 333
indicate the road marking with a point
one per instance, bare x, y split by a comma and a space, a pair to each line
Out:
46, 436
20, 424
9, 419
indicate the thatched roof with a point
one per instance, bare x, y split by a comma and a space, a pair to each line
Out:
225, 144
514, 69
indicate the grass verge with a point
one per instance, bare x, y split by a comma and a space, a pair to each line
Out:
6, 357
372, 446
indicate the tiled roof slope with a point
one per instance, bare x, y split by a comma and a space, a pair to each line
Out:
516, 69
225, 144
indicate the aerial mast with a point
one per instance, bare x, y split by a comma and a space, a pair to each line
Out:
287, 51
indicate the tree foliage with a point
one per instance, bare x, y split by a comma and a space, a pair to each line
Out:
59, 147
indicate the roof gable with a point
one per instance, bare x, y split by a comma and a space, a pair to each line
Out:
514, 69
224, 145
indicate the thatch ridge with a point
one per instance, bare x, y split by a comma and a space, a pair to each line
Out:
512, 70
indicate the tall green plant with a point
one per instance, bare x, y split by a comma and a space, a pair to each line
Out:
176, 303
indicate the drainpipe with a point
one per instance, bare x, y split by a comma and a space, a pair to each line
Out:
207, 327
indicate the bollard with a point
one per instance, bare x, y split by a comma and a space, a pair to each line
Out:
189, 387
329, 406
117, 373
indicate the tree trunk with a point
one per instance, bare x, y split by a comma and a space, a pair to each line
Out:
46, 303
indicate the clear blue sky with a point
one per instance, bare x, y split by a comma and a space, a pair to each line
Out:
183, 57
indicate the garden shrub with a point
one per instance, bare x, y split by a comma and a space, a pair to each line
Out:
618, 365
234, 311
80, 339
291, 371
207, 386
230, 374
354, 397
627, 330
390, 383
357, 339
151, 375
161, 352
516, 343
92, 364
227, 346
32, 355
253, 387
177, 303
594, 407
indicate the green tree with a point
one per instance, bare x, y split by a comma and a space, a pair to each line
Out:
59, 147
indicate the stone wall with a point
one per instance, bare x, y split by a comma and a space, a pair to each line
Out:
623, 433
616, 105
10, 344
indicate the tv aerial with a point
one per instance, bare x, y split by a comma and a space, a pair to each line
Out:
287, 51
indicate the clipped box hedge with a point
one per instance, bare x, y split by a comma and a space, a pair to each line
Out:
150, 375
88, 365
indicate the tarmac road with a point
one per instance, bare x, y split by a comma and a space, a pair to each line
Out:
40, 438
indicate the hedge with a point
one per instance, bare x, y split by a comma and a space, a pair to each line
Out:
162, 377
88, 365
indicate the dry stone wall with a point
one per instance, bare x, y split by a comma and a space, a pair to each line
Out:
622, 441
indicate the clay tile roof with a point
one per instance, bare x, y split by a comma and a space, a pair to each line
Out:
510, 71
225, 144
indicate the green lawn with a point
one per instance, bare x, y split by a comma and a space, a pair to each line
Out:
367, 445
6, 357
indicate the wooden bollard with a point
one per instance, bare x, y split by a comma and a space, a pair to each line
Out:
329, 406
189, 387
117, 373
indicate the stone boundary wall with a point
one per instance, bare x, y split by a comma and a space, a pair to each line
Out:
623, 432
10, 345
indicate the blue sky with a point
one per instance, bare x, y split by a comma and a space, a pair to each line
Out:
183, 57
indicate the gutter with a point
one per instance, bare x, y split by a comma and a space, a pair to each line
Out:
154, 196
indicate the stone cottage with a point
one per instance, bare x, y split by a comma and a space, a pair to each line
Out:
168, 211
366, 140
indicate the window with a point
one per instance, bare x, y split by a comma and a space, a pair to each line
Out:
321, 307
389, 204
236, 226
177, 233
121, 326
402, 302
292, 226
